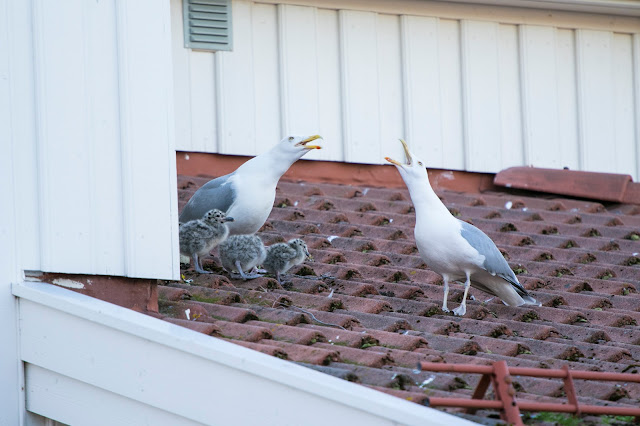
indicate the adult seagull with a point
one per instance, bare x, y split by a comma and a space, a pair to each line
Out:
248, 193
453, 248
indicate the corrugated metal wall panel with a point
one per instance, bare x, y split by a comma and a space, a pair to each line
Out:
92, 137
479, 93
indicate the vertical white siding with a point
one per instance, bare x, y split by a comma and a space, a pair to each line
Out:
595, 94
473, 93
568, 136
298, 57
390, 85
422, 87
329, 86
91, 118
450, 68
13, 19
624, 144
540, 101
481, 86
360, 97
512, 146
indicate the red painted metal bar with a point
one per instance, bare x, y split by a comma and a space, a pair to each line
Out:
584, 409
465, 403
480, 391
533, 406
499, 374
570, 390
505, 392
532, 372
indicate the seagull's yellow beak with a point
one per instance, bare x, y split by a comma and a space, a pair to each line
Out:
407, 155
309, 139
394, 162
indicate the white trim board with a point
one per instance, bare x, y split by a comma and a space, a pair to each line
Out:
619, 16
203, 379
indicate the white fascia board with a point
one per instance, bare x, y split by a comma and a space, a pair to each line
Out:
611, 7
67, 333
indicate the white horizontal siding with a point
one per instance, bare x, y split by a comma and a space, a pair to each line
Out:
492, 88
102, 373
90, 112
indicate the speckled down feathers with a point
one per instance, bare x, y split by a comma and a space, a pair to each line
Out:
248, 249
283, 256
200, 236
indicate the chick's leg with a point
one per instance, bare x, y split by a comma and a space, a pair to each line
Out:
197, 266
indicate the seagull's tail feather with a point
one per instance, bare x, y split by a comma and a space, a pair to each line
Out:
506, 291
528, 300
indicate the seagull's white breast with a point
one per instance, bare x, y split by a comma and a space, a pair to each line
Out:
252, 205
443, 248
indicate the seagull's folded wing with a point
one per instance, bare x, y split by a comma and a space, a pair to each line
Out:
215, 194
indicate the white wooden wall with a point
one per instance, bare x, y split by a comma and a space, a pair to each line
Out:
88, 106
471, 88
120, 367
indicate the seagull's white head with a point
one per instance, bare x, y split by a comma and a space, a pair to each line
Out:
297, 146
414, 170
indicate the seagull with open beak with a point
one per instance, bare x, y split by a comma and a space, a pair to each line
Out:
248, 193
453, 248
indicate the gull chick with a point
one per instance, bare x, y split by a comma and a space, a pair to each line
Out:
248, 193
453, 248
198, 237
283, 256
242, 253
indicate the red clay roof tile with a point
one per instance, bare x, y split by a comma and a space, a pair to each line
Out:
579, 258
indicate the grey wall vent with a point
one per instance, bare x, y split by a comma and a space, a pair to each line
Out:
207, 24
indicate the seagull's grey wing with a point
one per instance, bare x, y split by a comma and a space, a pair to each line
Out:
215, 194
494, 262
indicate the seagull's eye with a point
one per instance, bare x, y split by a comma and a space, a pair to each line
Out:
420, 163
290, 138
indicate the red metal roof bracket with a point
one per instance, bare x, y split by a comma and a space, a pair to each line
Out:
480, 390
500, 375
570, 390
505, 391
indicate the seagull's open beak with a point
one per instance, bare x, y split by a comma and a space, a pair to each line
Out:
309, 139
407, 155
228, 219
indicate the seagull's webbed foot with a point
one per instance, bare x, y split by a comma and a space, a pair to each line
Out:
460, 310
250, 276
244, 276
197, 267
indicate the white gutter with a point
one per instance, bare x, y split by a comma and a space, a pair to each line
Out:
610, 7
91, 362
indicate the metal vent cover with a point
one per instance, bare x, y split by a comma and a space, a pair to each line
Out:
207, 24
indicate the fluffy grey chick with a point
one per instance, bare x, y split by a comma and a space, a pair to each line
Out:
198, 237
242, 253
283, 256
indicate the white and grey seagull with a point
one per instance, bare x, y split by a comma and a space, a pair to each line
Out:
453, 248
248, 193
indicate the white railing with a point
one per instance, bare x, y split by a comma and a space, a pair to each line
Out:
90, 362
